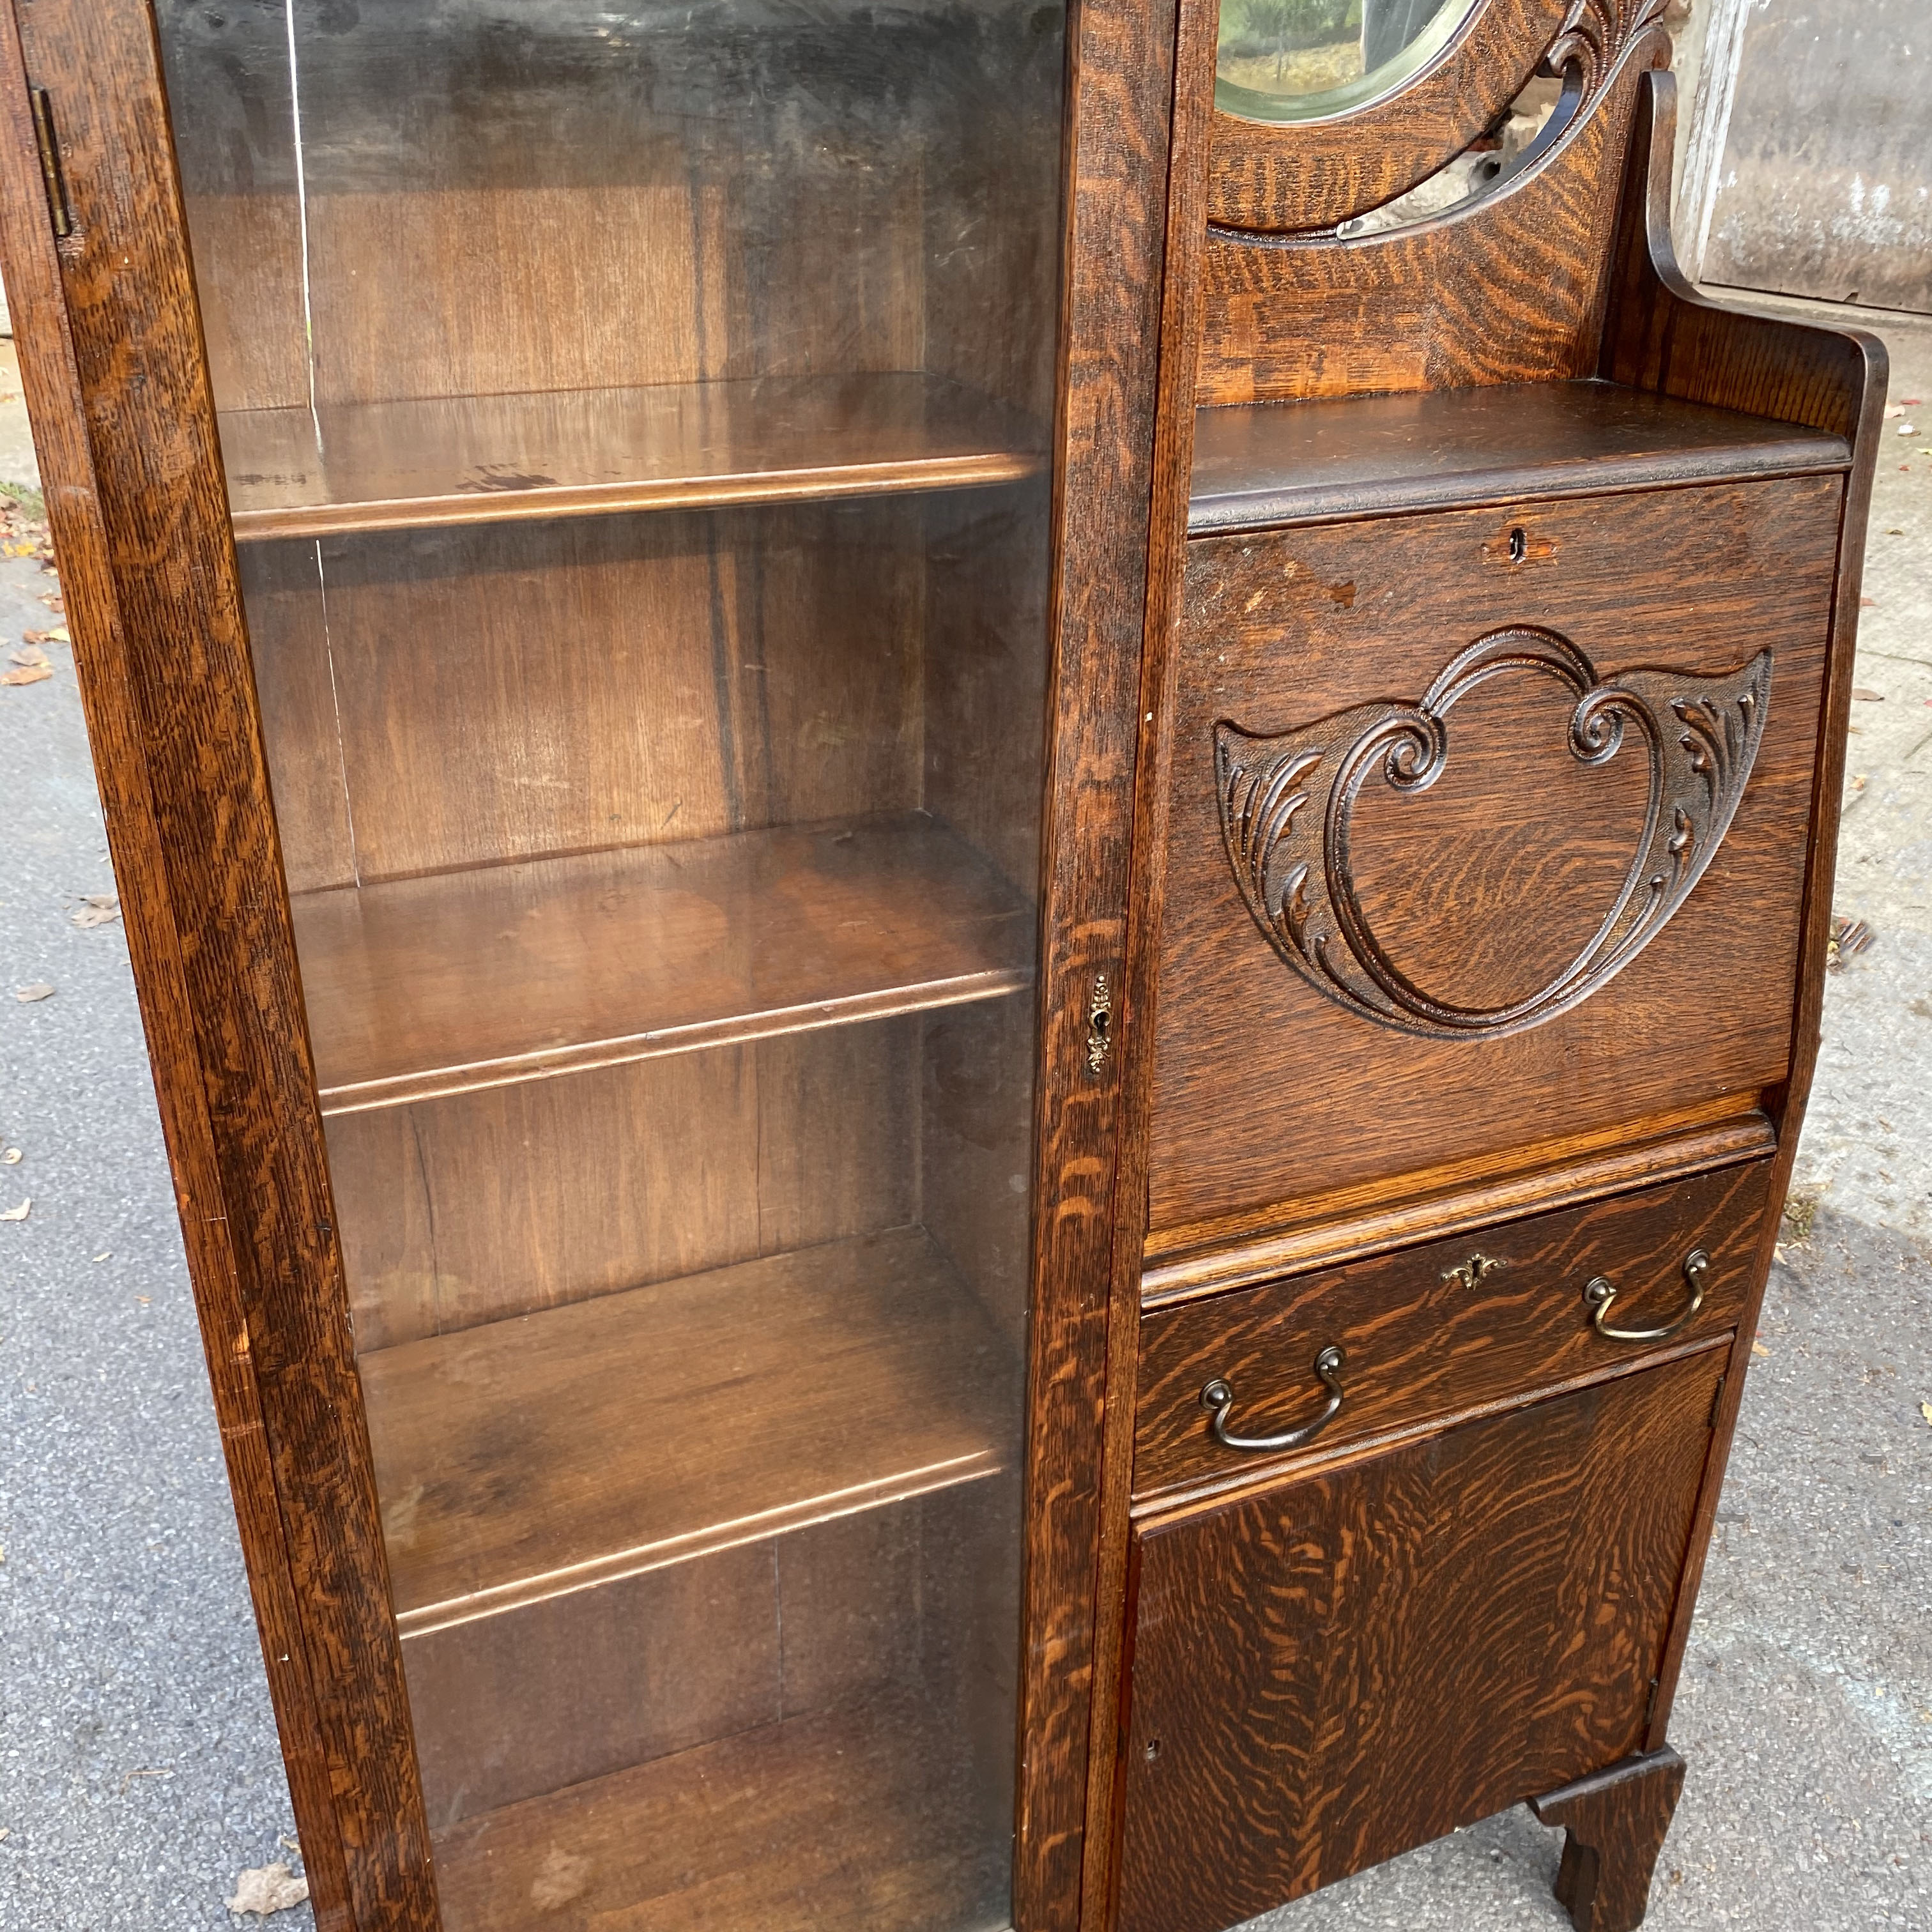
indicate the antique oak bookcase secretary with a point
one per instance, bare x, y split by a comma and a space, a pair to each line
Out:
978, 855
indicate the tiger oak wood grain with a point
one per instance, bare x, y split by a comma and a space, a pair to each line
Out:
1326, 1671
126, 284
1510, 289
1285, 628
1615, 1822
1119, 121
1423, 1345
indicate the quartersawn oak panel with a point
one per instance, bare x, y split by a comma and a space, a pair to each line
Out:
1510, 290
1265, 1091
1423, 1345
1325, 1672
598, 1440
418, 987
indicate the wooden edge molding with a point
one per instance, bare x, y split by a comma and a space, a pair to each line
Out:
1165, 1509
1279, 178
1456, 1199
1118, 127
115, 372
1663, 335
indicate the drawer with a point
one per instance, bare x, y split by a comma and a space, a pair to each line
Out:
1438, 1331
1418, 908
1329, 1669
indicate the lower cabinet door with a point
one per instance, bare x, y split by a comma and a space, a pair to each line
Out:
1330, 1669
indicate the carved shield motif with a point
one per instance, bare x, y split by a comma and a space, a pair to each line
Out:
1287, 804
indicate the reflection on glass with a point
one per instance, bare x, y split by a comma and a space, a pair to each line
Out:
1300, 60
661, 826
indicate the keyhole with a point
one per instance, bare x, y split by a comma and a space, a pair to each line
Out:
1519, 546
1150, 1749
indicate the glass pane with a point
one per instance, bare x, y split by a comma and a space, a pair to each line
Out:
636, 422
1301, 60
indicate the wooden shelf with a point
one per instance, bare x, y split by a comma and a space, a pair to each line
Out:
555, 1450
848, 1820
426, 986
574, 453
1264, 464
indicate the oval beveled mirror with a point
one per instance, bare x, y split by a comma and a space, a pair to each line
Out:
1305, 60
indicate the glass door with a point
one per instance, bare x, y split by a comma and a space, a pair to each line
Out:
636, 422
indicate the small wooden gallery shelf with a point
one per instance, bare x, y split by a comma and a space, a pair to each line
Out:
409, 465
1270, 463
433, 986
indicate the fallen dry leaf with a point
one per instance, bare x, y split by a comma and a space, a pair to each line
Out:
51, 599
29, 654
267, 1888
1759, 1349
1864, 695
97, 909
1925, 1410
39, 990
19, 1213
26, 674
17, 549
58, 635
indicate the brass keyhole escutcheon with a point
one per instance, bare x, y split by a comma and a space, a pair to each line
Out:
1099, 1023
1478, 1268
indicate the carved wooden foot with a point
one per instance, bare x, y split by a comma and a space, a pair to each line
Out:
1616, 1820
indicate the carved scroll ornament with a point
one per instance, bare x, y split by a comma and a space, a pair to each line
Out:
1288, 802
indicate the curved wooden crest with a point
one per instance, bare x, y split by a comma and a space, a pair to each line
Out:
1288, 801
1303, 177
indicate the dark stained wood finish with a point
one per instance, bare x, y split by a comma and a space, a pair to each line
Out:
833, 1615
1268, 463
1120, 105
839, 1820
1267, 1091
156, 599
420, 987
1425, 1345
1455, 1197
410, 464
590, 1442
1509, 290
1326, 1671
501, 1201
1309, 175
1616, 1821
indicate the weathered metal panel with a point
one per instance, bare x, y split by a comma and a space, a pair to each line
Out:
1825, 185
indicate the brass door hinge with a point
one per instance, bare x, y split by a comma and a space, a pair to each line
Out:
59, 207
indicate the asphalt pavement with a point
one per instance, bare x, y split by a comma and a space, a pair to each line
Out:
138, 1769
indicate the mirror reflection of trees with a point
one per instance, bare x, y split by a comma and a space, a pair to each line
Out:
1289, 48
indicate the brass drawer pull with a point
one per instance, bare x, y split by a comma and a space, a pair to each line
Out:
1601, 1293
1218, 1398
